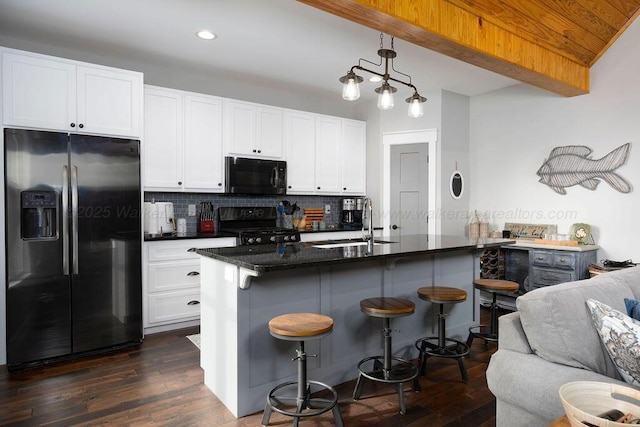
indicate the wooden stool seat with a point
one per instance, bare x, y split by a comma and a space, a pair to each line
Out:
493, 285
387, 307
300, 325
441, 294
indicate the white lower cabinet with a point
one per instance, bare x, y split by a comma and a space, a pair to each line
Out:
171, 281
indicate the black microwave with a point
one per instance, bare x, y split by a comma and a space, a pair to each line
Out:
255, 176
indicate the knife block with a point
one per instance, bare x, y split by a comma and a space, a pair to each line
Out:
205, 226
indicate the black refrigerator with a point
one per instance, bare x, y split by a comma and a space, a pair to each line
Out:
73, 245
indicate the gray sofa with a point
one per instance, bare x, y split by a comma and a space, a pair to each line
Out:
550, 341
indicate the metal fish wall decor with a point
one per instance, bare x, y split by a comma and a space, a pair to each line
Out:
571, 165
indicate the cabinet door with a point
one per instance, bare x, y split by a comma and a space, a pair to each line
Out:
269, 132
163, 141
38, 93
203, 161
328, 152
109, 101
354, 157
300, 137
241, 128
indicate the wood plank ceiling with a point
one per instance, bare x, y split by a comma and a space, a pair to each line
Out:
550, 44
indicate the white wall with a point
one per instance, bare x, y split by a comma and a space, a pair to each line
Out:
514, 129
454, 149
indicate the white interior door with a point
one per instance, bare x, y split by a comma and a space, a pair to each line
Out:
409, 189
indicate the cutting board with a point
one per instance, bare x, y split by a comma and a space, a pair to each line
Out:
313, 214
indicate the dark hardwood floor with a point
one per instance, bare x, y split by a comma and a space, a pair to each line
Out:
161, 384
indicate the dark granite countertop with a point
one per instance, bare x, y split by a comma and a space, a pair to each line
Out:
192, 235
263, 258
174, 236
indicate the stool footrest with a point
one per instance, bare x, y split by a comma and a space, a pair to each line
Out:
402, 372
483, 332
452, 348
283, 399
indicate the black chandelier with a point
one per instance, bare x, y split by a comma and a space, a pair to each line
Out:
351, 81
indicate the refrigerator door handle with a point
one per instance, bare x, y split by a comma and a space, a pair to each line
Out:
65, 220
74, 216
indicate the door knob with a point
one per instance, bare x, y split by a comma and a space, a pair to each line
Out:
395, 227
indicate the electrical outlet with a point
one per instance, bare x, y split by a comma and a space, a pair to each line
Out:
327, 209
192, 210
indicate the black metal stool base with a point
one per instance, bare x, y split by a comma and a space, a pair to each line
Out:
442, 347
284, 399
404, 371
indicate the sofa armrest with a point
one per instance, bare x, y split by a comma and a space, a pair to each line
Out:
527, 382
511, 335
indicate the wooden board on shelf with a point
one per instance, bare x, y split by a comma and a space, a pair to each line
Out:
313, 214
556, 242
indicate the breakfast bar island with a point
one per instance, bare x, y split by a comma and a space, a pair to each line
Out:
243, 287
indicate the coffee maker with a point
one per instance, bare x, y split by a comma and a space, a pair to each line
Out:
352, 213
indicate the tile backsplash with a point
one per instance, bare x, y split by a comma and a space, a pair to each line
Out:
181, 202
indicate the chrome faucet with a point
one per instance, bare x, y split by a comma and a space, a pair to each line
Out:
367, 212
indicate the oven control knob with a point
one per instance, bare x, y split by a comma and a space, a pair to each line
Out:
250, 240
258, 239
272, 238
293, 238
285, 238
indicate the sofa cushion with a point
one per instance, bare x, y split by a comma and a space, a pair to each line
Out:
620, 335
558, 323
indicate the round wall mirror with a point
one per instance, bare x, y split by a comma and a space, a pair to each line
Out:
456, 185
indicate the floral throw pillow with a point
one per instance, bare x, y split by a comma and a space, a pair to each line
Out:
620, 335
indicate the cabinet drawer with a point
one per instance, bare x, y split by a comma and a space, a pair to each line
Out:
543, 258
164, 252
165, 276
168, 307
546, 277
176, 250
567, 261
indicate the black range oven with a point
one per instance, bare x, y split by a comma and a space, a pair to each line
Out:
254, 226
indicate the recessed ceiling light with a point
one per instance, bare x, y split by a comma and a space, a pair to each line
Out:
206, 35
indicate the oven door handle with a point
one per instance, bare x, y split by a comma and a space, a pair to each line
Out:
275, 179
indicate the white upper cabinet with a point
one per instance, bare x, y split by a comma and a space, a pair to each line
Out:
253, 130
203, 156
50, 93
328, 154
354, 157
183, 141
163, 138
324, 154
300, 146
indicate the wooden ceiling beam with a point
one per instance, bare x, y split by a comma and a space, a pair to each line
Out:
444, 27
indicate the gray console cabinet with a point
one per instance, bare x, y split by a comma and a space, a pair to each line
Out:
534, 267
550, 267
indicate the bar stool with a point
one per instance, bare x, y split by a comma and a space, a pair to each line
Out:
490, 332
442, 346
383, 369
282, 398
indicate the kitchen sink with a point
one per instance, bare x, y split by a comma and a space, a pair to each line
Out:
328, 244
